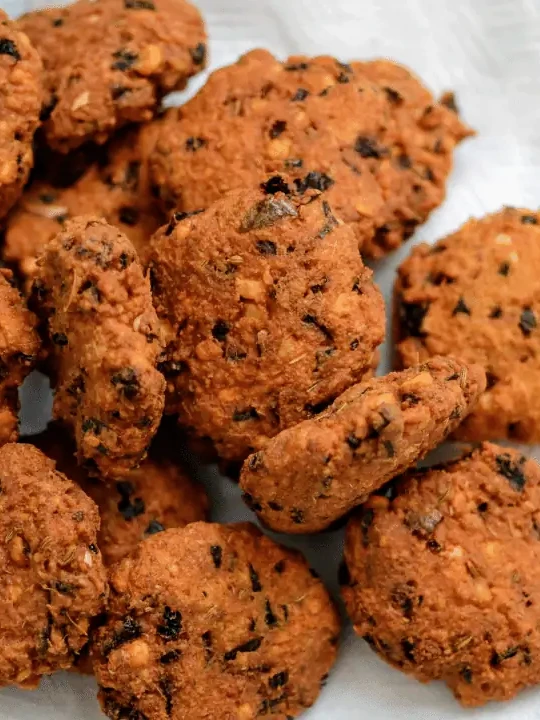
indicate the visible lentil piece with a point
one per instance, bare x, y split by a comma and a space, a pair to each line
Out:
504, 269
353, 441
529, 220
496, 312
279, 567
467, 674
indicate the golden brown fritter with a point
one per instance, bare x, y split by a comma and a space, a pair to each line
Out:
21, 94
52, 577
156, 496
315, 472
475, 294
19, 347
109, 62
268, 313
104, 341
368, 134
214, 622
442, 578
116, 188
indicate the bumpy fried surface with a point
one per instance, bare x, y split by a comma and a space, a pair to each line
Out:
21, 94
109, 62
19, 346
148, 500
475, 294
117, 188
369, 134
52, 578
315, 472
214, 622
104, 344
442, 579
268, 312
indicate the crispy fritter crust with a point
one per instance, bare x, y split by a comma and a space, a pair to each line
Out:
148, 500
116, 188
313, 473
21, 94
211, 622
442, 578
104, 341
475, 294
52, 577
109, 62
268, 313
19, 347
369, 134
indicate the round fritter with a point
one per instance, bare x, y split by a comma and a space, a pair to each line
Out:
369, 134
116, 188
214, 622
315, 472
104, 344
52, 577
268, 313
21, 94
476, 294
109, 62
156, 496
442, 579
19, 347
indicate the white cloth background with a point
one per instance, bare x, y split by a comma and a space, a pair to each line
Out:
489, 52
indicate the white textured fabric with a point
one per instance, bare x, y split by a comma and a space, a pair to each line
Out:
489, 52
